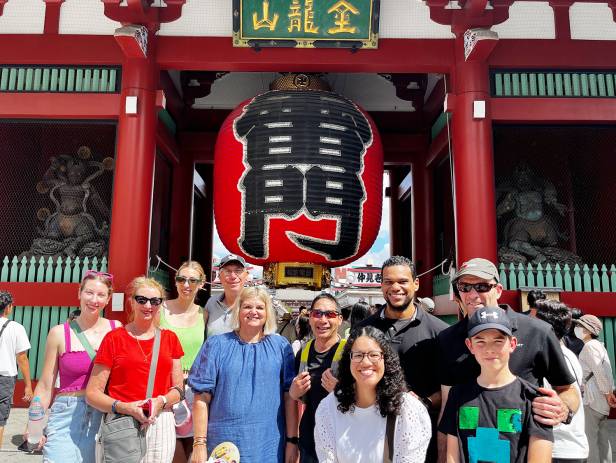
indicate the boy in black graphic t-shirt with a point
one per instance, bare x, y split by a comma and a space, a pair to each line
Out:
491, 420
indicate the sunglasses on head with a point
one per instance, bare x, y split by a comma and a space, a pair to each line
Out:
191, 280
324, 313
154, 301
479, 287
94, 273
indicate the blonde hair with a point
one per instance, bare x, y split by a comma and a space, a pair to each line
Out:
255, 292
141, 282
193, 265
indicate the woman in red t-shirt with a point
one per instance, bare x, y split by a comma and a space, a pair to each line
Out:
119, 378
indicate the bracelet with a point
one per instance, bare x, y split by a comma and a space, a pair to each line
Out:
164, 399
292, 440
113, 406
199, 441
180, 391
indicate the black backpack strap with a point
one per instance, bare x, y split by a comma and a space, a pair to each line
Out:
2, 330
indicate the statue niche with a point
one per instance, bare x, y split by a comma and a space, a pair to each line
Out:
71, 230
528, 232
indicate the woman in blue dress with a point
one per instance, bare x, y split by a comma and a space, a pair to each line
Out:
241, 383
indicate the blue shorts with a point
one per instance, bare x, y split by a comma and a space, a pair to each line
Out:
71, 431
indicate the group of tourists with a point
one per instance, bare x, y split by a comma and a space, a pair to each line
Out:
397, 385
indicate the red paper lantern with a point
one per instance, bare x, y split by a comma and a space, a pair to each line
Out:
298, 178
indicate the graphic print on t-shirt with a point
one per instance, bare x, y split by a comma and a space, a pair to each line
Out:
486, 446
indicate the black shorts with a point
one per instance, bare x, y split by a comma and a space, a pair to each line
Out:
7, 387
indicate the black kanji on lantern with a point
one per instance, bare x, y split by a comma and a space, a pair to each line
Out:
303, 152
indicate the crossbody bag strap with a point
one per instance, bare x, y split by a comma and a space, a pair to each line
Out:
153, 364
388, 454
83, 339
2, 330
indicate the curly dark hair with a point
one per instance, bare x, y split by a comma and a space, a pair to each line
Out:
389, 391
556, 314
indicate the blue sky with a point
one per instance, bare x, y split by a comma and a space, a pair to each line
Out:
379, 251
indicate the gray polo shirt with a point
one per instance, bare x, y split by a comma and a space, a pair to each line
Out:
219, 316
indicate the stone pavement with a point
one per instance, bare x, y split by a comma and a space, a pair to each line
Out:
19, 417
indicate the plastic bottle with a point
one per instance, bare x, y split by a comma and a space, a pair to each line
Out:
36, 421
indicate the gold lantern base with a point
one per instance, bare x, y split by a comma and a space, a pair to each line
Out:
296, 274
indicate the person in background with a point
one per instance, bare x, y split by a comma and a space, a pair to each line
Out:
315, 367
185, 318
69, 355
119, 379
371, 395
570, 442
241, 382
534, 296
573, 343
233, 275
359, 312
597, 387
14, 345
302, 331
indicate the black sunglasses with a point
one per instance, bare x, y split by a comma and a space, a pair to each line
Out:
154, 301
191, 281
479, 287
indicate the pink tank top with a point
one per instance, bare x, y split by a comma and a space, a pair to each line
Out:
74, 367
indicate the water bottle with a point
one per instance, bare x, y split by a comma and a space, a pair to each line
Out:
36, 422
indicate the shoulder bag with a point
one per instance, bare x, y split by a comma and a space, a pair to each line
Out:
121, 436
390, 428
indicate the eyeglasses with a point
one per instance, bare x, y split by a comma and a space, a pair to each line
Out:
94, 273
154, 301
374, 356
479, 287
191, 281
228, 272
324, 313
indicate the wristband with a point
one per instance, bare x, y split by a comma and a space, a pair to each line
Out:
113, 406
164, 399
292, 440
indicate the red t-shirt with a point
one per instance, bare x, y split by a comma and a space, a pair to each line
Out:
123, 354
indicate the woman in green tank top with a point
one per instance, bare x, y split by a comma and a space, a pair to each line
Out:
185, 319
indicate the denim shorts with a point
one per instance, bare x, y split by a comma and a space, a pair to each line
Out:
71, 431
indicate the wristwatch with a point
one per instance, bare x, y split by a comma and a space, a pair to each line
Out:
293, 440
569, 416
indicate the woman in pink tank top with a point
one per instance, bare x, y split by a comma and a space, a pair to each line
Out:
72, 426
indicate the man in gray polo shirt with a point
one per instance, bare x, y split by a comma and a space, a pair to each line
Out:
233, 275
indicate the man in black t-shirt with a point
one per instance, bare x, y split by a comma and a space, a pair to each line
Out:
538, 355
314, 364
411, 332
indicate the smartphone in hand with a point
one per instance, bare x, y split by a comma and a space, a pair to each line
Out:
147, 407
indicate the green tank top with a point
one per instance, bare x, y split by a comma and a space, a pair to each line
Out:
191, 337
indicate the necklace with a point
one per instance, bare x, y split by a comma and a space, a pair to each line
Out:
145, 357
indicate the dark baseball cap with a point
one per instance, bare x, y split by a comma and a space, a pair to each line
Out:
232, 258
486, 318
478, 267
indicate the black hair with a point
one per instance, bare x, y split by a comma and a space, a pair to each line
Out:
399, 260
556, 314
302, 325
576, 313
359, 312
325, 296
534, 296
389, 390
6, 299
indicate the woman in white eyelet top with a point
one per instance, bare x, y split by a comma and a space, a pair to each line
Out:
351, 421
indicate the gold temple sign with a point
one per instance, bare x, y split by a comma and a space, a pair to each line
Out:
306, 23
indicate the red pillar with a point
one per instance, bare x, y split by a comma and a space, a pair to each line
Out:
423, 223
473, 163
181, 209
134, 168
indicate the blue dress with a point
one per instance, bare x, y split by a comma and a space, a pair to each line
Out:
247, 383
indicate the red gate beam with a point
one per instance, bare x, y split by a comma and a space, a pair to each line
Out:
42, 294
